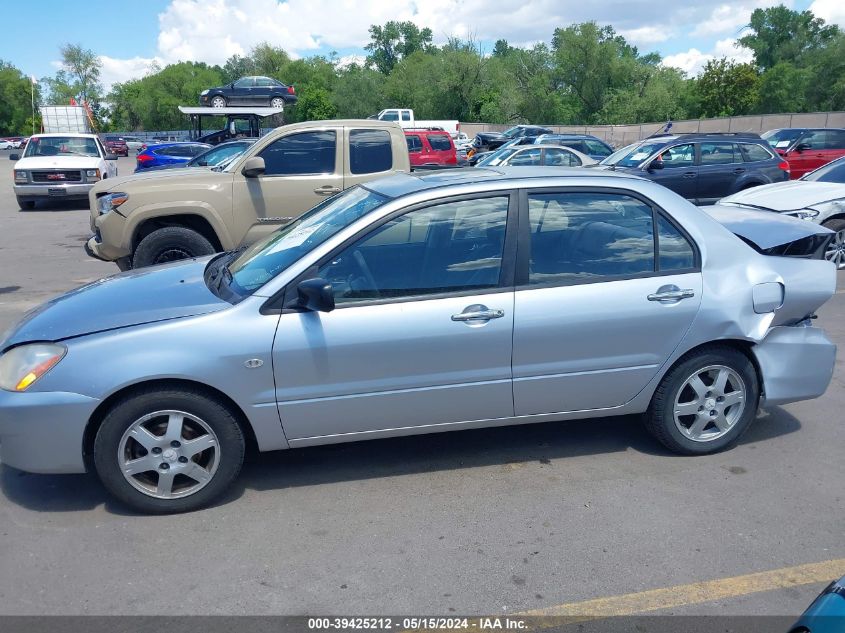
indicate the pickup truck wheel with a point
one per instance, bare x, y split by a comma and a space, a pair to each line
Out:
26, 204
170, 244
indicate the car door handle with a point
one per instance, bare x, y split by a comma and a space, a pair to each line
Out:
689, 174
327, 190
475, 314
739, 170
671, 293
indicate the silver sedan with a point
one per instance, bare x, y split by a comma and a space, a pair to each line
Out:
420, 304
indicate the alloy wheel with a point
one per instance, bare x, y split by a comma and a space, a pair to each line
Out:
218, 102
709, 403
169, 454
835, 251
277, 102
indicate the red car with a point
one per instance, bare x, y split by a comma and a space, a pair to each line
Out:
430, 147
116, 145
807, 149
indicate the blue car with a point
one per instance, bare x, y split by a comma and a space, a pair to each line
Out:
168, 154
218, 156
826, 614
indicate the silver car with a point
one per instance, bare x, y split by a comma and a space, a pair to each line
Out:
418, 304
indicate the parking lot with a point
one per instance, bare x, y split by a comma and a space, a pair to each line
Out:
494, 521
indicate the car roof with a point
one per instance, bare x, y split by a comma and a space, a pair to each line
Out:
172, 143
402, 184
65, 135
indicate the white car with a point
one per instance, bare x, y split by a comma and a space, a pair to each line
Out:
4, 144
60, 166
535, 155
133, 143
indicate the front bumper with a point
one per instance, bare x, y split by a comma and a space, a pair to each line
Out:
42, 432
796, 363
58, 190
109, 241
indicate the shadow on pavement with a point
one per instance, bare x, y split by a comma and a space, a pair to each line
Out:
390, 458
57, 205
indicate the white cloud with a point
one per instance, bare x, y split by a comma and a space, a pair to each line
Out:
832, 11
118, 70
348, 60
732, 17
692, 62
647, 35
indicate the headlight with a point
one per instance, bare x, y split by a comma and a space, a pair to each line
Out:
111, 201
22, 366
20, 176
92, 174
204, 92
803, 214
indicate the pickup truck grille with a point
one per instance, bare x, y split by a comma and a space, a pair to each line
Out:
56, 176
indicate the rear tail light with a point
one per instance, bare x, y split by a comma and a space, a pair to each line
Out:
291, 90
783, 165
143, 158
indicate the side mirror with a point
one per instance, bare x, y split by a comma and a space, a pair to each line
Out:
316, 295
14, 156
655, 164
802, 147
111, 156
253, 167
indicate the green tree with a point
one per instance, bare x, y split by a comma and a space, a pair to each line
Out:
315, 104
778, 34
783, 89
16, 101
79, 76
726, 88
395, 41
358, 92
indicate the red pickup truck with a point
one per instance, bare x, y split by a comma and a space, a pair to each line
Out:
430, 147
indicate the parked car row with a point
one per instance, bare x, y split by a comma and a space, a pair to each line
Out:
13, 142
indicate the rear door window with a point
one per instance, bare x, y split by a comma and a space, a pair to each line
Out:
719, 154
369, 151
414, 143
597, 149
835, 139
439, 142
561, 158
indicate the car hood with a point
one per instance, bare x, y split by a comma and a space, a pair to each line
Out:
135, 297
163, 178
58, 162
763, 228
789, 196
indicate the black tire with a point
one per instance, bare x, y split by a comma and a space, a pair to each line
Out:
135, 406
169, 244
27, 205
660, 418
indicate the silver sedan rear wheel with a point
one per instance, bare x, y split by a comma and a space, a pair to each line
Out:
709, 403
169, 454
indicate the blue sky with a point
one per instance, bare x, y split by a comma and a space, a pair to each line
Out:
130, 36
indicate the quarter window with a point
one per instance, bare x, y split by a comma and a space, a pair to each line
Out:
449, 247
301, 154
753, 153
369, 151
584, 236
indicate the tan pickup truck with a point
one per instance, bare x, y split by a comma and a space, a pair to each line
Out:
173, 214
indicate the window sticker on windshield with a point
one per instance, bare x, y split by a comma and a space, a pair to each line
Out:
640, 156
783, 144
292, 239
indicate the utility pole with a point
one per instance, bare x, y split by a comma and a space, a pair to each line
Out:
32, 91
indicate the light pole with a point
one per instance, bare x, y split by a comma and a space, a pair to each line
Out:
32, 93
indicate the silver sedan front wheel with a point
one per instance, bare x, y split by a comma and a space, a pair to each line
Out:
835, 251
164, 450
169, 454
709, 403
218, 102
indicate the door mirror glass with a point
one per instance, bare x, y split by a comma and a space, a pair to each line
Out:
315, 295
14, 156
802, 147
111, 156
232, 128
253, 167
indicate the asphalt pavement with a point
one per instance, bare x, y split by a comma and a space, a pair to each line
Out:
487, 522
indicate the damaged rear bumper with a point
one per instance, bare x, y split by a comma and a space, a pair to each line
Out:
796, 363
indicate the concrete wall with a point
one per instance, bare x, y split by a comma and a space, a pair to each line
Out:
619, 135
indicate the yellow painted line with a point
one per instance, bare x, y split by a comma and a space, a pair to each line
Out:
697, 592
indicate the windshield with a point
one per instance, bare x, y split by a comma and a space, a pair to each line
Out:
268, 257
511, 132
61, 146
217, 156
496, 157
781, 139
633, 155
832, 172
